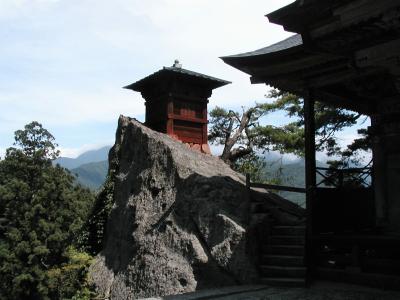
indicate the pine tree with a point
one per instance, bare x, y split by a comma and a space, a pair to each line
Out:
41, 213
243, 135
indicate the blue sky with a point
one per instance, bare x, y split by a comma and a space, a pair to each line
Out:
64, 62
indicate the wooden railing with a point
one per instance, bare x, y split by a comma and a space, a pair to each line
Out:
331, 177
275, 187
339, 178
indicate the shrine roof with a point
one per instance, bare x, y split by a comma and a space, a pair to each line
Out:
344, 59
170, 72
291, 42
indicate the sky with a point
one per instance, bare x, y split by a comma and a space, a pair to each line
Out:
64, 62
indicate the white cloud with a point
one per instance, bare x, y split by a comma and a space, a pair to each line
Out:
10, 9
64, 62
75, 152
347, 138
63, 107
72, 152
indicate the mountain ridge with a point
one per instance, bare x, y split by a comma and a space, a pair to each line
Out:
90, 168
91, 175
95, 155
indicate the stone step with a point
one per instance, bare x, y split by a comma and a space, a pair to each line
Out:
284, 282
287, 240
283, 260
289, 230
284, 249
279, 271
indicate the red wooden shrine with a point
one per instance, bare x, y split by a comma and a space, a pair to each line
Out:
176, 103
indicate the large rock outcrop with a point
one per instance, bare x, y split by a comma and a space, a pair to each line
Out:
179, 221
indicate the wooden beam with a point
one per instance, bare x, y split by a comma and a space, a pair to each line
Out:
294, 64
365, 107
355, 13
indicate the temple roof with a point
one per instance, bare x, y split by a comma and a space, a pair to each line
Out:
293, 41
177, 72
345, 52
299, 14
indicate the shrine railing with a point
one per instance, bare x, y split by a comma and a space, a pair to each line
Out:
350, 177
275, 187
291, 206
329, 177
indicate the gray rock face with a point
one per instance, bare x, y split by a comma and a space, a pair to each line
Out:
179, 222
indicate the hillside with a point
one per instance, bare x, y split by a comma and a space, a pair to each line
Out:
85, 158
90, 167
291, 174
91, 175
91, 170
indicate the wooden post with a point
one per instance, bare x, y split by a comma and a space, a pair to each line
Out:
341, 178
248, 180
248, 196
309, 133
378, 175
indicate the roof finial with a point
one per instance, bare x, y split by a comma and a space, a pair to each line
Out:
177, 64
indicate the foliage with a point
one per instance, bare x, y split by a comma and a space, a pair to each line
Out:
243, 136
274, 173
36, 142
69, 280
351, 156
95, 227
41, 213
92, 175
230, 128
251, 164
353, 153
289, 138
259, 169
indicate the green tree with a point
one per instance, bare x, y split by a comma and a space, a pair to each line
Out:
244, 136
251, 164
96, 225
235, 131
289, 138
41, 213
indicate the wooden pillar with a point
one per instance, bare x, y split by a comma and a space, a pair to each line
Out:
309, 132
379, 178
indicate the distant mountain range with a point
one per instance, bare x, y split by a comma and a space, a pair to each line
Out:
90, 168
291, 174
92, 174
85, 158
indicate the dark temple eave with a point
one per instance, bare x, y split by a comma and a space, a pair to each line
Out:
296, 69
287, 47
301, 14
